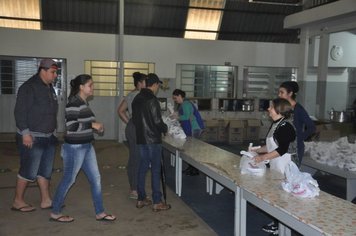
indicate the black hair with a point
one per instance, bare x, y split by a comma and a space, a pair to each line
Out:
178, 92
138, 77
291, 86
76, 82
283, 107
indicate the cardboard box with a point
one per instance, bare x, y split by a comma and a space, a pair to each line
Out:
223, 131
210, 133
253, 129
237, 131
211, 123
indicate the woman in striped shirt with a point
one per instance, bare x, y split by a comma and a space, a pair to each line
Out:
78, 151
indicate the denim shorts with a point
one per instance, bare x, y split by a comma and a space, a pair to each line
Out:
38, 160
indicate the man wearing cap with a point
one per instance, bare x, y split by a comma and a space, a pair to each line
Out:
36, 121
147, 118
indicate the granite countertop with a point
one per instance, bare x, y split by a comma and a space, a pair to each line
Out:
326, 213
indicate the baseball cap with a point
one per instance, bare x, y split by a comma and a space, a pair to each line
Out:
152, 79
48, 63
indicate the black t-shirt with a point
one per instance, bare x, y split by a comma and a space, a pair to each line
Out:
283, 136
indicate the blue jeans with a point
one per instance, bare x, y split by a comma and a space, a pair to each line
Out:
150, 155
76, 157
38, 160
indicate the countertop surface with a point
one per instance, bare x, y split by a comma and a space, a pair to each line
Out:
326, 213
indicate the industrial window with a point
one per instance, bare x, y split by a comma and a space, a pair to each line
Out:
207, 81
106, 73
263, 82
204, 17
14, 71
23, 14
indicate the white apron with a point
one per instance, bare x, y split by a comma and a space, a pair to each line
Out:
279, 163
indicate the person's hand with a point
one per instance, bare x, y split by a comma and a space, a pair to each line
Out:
174, 115
98, 127
27, 140
258, 159
254, 149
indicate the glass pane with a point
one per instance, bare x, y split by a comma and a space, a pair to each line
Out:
103, 71
128, 65
104, 78
263, 82
111, 64
104, 86
129, 87
21, 9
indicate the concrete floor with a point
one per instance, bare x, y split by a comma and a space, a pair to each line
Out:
112, 158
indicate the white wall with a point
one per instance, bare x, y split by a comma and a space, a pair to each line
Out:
346, 40
336, 82
164, 52
167, 52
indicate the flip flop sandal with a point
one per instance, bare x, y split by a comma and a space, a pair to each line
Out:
61, 219
22, 209
107, 217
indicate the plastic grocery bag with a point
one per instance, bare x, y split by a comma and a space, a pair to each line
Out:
299, 183
174, 128
248, 165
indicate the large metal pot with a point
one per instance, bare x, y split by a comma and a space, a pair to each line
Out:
247, 107
339, 116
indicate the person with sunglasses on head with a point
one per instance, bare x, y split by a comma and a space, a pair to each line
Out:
36, 121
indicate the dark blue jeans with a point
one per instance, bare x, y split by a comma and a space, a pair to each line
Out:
150, 156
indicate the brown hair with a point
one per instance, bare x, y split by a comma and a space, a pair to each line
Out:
283, 107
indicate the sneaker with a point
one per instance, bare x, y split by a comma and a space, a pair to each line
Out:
274, 233
133, 195
145, 202
271, 227
161, 207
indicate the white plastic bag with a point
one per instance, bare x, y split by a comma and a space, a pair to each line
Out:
174, 128
299, 183
248, 165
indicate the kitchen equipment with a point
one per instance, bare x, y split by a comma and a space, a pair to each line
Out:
339, 116
248, 105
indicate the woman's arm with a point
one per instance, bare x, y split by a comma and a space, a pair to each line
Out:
259, 150
266, 156
121, 111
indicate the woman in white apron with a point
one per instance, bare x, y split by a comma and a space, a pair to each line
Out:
281, 143
280, 146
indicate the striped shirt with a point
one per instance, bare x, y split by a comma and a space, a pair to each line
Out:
79, 118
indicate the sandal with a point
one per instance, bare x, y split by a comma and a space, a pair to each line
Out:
26, 208
107, 217
62, 219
